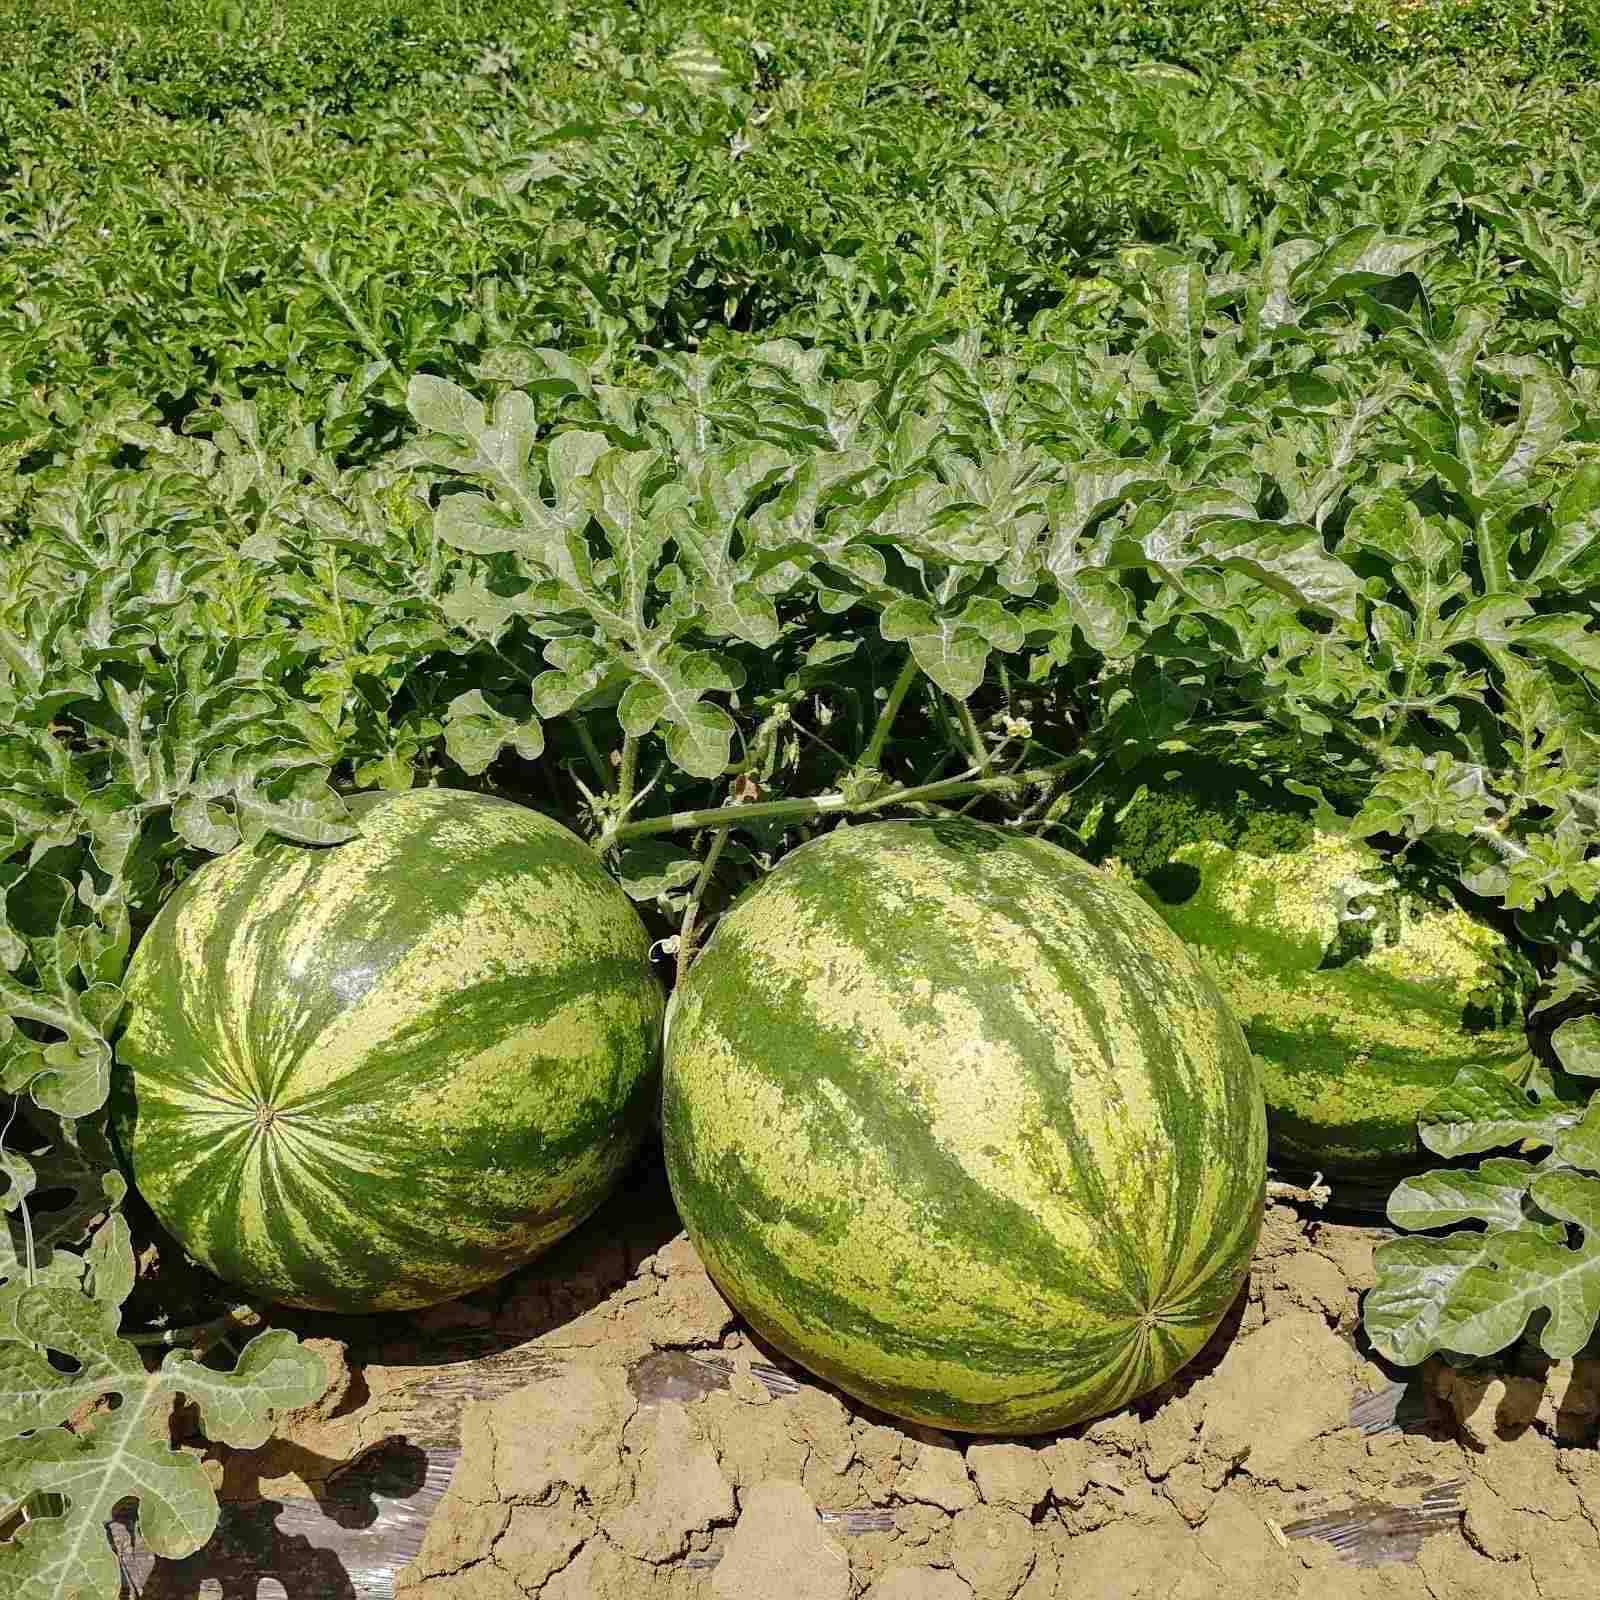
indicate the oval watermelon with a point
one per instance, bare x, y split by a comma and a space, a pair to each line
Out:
1362, 995
956, 1121
1362, 999
383, 1074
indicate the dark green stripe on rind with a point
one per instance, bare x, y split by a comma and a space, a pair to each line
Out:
384, 1074
958, 1123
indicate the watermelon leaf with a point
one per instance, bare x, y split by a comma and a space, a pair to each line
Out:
1531, 1251
651, 868
953, 649
79, 1168
1476, 1292
475, 733
66, 1552
1577, 1042
1484, 1110
1493, 1193
595, 484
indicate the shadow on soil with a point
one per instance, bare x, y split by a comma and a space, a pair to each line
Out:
581, 1272
377, 1506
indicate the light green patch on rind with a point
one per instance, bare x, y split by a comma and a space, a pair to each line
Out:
1360, 999
384, 1074
957, 1122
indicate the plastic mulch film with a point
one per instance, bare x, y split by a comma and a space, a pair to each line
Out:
368, 1524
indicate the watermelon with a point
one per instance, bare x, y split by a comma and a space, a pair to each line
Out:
956, 1122
1362, 992
382, 1074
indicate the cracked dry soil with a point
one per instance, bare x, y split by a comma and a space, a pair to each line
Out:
637, 1445
596, 1484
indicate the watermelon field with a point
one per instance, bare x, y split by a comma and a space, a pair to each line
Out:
800, 802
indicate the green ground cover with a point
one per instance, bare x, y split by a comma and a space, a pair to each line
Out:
644, 410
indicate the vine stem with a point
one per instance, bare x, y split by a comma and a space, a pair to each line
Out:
982, 758
1316, 1193
1507, 847
592, 751
196, 1333
824, 805
627, 778
691, 914
628, 774
891, 709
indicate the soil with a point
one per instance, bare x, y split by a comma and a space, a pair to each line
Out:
621, 1437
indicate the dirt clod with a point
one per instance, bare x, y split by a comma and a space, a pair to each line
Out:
1170, 1438
939, 1478
781, 1547
678, 1488
992, 1550
1009, 1475
919, 1583
1278, 1390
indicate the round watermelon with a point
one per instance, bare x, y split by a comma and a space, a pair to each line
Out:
385, 1073
955, 1121
1363, 993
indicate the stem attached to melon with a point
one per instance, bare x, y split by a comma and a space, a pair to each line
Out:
837, 805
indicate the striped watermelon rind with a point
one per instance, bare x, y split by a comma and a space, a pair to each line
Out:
1363, 994
384, 1074
954, 1120
1362, 999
